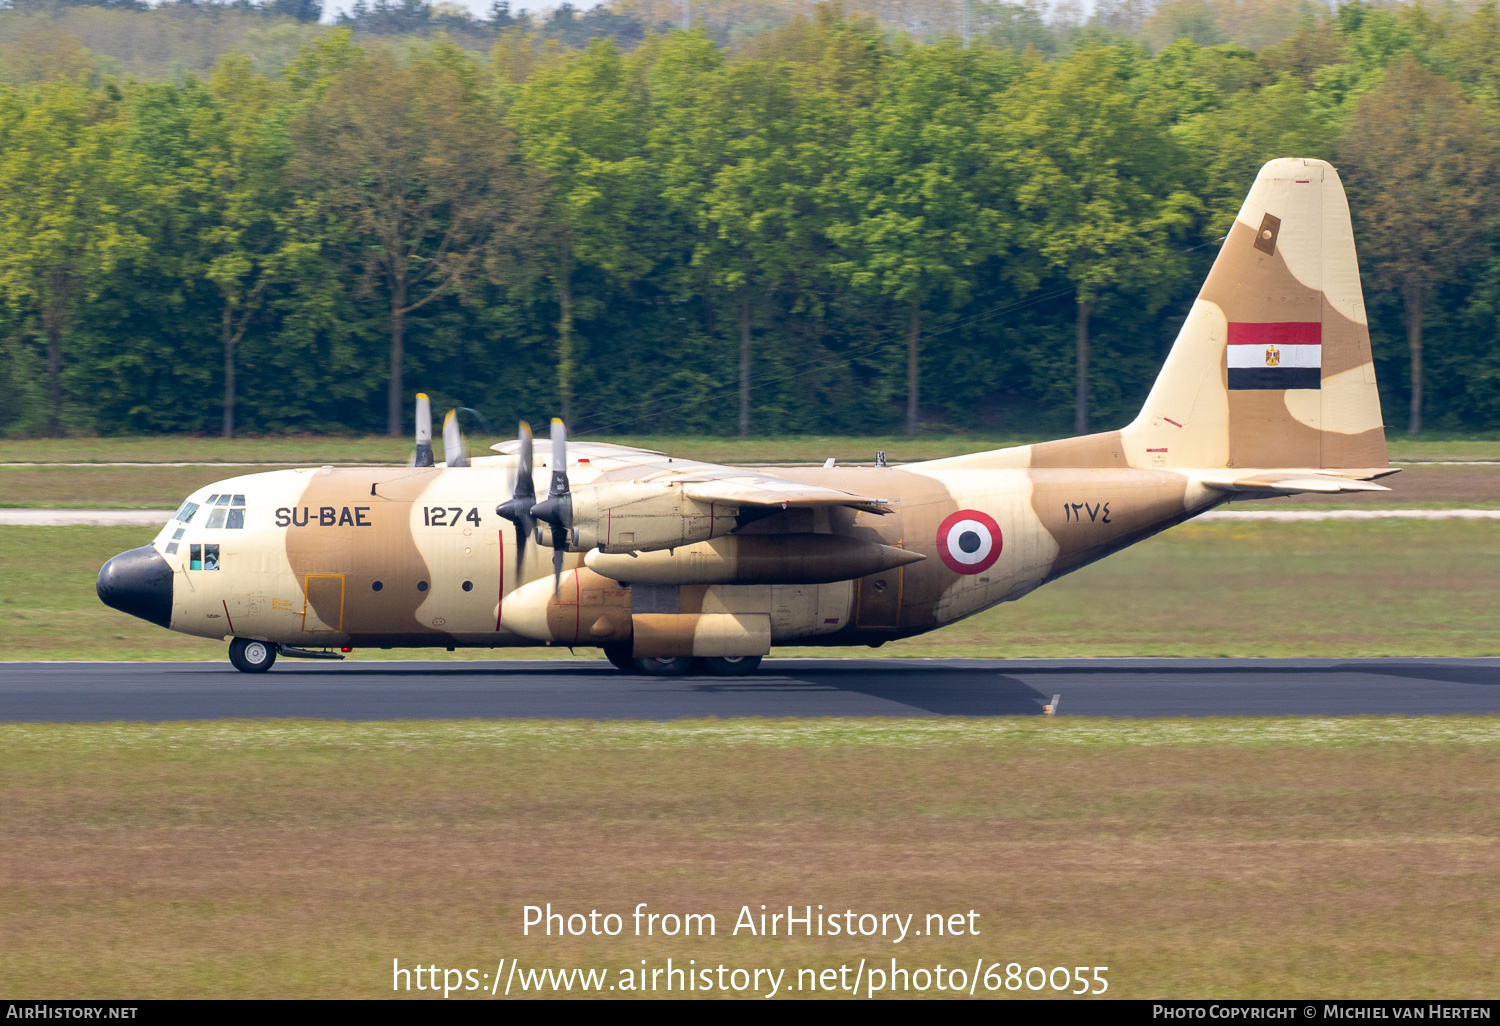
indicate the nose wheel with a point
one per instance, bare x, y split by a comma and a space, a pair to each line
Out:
249, 656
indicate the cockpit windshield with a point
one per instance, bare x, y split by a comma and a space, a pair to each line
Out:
185, 514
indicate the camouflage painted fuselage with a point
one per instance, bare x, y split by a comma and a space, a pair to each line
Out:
418, 557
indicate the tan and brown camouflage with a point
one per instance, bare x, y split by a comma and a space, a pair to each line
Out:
675, 558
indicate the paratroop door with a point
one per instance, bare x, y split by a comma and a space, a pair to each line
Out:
324, 607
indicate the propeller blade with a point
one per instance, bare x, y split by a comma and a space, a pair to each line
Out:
423, 457
523, 496
523, 460
559, 455
455, 446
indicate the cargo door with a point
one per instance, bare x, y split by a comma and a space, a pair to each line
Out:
323, 605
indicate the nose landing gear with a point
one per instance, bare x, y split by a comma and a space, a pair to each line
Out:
250, 656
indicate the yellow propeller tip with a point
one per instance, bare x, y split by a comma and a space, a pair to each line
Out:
421, 395
557, 420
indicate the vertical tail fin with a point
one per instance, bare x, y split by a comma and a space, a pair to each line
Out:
1272, 368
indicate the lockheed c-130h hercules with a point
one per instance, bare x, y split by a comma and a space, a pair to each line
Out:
667, 563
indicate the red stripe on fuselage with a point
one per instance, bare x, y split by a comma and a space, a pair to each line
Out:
1281, 333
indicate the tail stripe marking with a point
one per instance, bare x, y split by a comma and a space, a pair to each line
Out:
1281, 333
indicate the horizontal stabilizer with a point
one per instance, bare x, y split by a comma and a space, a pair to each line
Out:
1286, 482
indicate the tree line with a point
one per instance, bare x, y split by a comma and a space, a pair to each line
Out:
826, 227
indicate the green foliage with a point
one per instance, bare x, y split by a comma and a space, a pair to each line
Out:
648, 229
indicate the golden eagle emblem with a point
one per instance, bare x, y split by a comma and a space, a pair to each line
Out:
1273, 357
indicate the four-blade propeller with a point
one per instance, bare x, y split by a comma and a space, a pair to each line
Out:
557, 508
518, 508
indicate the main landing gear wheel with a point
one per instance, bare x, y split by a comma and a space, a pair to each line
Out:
619, 657
664, 666
251, 656
732, 666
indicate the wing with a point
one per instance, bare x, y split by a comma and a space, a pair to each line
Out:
584, 449
705, 482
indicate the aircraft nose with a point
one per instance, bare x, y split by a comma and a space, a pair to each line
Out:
138, 582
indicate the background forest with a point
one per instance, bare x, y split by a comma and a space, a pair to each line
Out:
792, 217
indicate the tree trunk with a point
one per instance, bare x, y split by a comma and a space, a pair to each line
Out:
1413, 295
744, 363
393, 418
228, 340
913, 371
1081, 395
53, 325
565, 329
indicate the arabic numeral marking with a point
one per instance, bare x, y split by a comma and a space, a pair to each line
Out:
438, 516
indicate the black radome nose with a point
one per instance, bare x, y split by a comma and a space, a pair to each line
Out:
138, 582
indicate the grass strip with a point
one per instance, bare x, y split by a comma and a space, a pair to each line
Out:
817, 733
1292, 858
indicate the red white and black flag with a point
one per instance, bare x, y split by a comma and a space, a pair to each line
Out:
1288, 354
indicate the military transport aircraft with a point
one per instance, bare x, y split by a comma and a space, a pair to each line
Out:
669, 564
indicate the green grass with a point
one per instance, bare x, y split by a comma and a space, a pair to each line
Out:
315, 449
1270, 858
1397, 588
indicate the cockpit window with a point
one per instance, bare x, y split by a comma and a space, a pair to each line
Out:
185, 514
211, 499
236, 519
224, 499
239, 500
210, 557
216, 517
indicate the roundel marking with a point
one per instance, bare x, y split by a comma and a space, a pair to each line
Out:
969, 541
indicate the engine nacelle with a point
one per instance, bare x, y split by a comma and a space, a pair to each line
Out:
586, 609
755, 559
644, 517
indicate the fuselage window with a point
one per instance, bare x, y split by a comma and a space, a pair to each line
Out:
216, 517
236, 519
185, 514
195, 557
171, 548
210, 557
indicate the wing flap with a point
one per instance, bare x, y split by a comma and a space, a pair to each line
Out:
756, 490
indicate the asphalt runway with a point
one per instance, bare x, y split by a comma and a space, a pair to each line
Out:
592, 689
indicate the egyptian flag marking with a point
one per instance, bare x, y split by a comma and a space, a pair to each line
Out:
1287, 354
